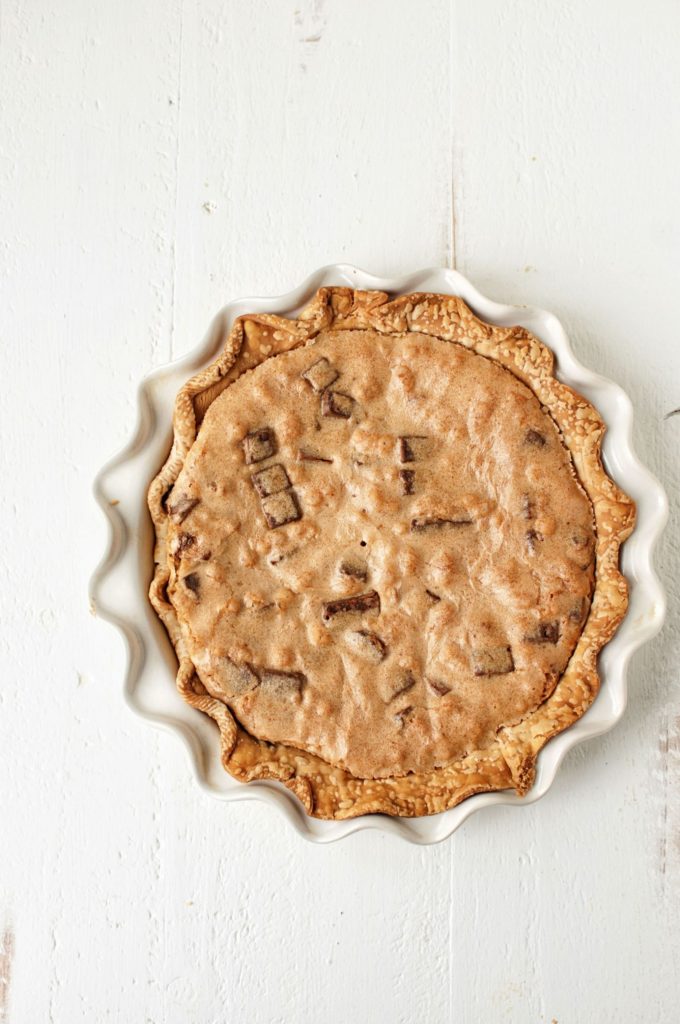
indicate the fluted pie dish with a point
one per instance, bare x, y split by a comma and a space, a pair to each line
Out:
120, 585
386, 551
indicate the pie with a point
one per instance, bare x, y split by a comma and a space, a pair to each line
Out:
386, 552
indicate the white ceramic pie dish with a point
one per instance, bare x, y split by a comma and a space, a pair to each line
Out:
120, 583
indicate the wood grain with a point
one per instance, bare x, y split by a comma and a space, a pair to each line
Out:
159, 159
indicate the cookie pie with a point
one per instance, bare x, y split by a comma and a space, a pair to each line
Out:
386, 552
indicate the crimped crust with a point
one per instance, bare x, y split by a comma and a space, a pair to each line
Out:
507, 759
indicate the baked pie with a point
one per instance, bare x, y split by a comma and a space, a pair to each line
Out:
386, 552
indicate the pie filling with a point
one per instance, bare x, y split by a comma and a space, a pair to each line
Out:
380, 551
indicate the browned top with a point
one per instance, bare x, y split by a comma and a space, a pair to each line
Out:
379, 551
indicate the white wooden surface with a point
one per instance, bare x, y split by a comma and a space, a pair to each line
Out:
159, 158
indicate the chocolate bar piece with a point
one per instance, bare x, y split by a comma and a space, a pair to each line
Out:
421, 523
367, 645
492, 661
357, 605
320, 374
182, 507
336, 403
280, 509
413, 447
441, 689
270, 480
357, 570
545, 633
307, 456
535, 438
402, 717
533, 538
407, 479
281, 684
192, 582
240, 679
259, 445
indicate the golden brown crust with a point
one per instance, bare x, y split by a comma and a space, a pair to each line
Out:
328, 791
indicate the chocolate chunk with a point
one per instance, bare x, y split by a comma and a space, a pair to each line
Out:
281, 684
320, 374
394, 685
578, 612
192, 582
581, 539
528, 507
533, 437
545, 633
367, 645
280, 509
412, 447
357, 605
259, 445
492, 661
533, 537
182, 507
240, 679
407, 479
336, 403
441, 689
421, 523
305, 456
402, 716
357, 570
432, 596
184, 541
270, 480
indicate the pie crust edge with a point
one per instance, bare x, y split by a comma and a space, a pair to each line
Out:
327, 791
